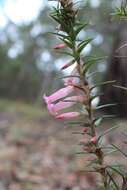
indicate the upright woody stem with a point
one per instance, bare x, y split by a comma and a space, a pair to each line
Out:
69, 28
97, 151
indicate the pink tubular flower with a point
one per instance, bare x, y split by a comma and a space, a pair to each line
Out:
76, 99
59, 46
63, 92
94, 139
51, 109
54, 108
68, 115
62, 105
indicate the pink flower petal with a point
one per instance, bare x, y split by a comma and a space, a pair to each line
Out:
94, 139
68, 115
51, 109
46, 99
62, 105
63, 92
85, 130
59, 46
76, 98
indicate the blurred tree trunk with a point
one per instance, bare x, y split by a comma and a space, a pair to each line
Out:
117, 70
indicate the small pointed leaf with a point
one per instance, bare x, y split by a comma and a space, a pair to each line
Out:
105, 106
80, 27
65, 53
91, 61
112, 179
103, 83
67, 42
121, 87
60, 35
83, 44
98, 121
119, 150
107, 131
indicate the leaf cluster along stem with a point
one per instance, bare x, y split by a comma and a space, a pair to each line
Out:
69, 28
98, 151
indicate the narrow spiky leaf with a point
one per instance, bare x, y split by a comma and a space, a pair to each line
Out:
119, 150
83, 44
107, 131
113, 181
91, 61
103, 83
98, 121
67, 42
80, 27
60, 35
121, 87
105, 106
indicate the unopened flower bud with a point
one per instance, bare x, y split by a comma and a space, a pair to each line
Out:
59, 46
85, 130
94, 139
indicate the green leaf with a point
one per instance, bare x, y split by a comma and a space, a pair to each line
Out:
93, 74
65, 53
107, 131
67, 42
83, 44
98, 121
55, 18
91, 61
60, 35
98, 95
73, 123
103, 83
80, 27
113, 181
110, 152
116, 169
119, 150
121, 87
105, 106
88, 65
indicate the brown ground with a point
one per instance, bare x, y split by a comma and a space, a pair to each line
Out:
38, 153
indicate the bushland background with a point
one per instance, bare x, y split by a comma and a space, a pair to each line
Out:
36, 152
